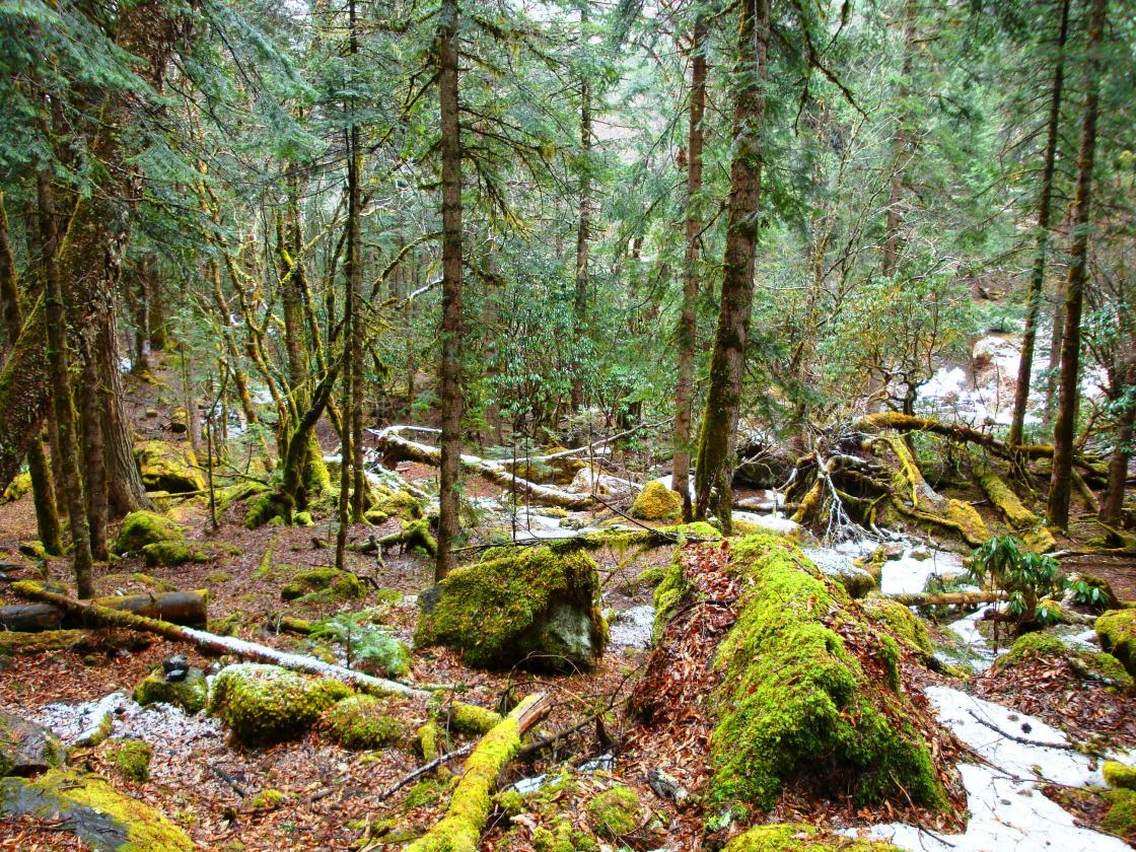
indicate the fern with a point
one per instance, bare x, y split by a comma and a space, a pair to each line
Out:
368, 647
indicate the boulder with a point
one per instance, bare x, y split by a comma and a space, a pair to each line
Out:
361, 722
264, 704
27, 748
1091, 665
656, 502
173, 553
323, 585
94, 811
519, 605
616, 812
189, 690
1116, 630
588, 480
142, 528
168, 467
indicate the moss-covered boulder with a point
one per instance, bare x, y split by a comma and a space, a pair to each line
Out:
800, 837
325, 584
94, 811
656, 502
615, 812
901, 622
1120, 819
27, 748
131, 759
189, 694
168, 467
173, 553
362, 722
142, 528
529, 605
1120, 775
400, 504
1093, 665
264, 704
797, 704
1116, 630
20, 485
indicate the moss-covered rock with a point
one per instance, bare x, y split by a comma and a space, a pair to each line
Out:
615, 812
27, 748
797, 704
267, 799
94, 811
20, 485
1094, 665
339, 585
1116, 630
656, 502
168, 467
269, 508
361, 722
1121, 816
800, 837
901, 622
1117, 774
265, 704
173, 553
528, 606
142, 528
131, 759
189, 694
400, 504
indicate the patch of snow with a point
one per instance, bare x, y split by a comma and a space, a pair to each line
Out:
773, 523
908, 575
603, 763
967, 630
631, 628
529, 785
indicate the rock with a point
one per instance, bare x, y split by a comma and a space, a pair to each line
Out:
142, 528
521, 605
173, 553
168, 467
27, 748
94, 811
361, 722
615, 812
656, 502
132, 759
1116, 630
176, 662
185, 688
264, 704
588, 481
1117, 774
666, 787
323, 585
1091, 665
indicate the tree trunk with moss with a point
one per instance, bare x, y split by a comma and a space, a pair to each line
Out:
716, 449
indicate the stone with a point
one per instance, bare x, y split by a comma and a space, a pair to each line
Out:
176, 662
27, 748
142, 528
264, 704
656, 502
188, 689
170, 467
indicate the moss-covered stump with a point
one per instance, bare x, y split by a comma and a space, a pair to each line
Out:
168, 467
656, 502
173, 553
323, 585
798, 704
800, 837
1092, 665
90, 808
1117, 633
27, 748
189, 694
615, 812
901, 622
264, 704
361, 722
142, 528
131, 759
529, 606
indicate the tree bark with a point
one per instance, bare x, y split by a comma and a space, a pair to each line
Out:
1112, 506
688, 320
580, 302
719, 424
450, 384
1063, 449
901, 147
185, 608
1037, 277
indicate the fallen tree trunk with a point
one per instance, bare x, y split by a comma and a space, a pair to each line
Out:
948, 598
16, 642
460, 829
184, 608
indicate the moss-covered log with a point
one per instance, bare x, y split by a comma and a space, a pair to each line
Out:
184, 608
1032, 528
460, 829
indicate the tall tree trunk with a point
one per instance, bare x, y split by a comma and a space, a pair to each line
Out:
450, 378
1061, 478
56, 338
1037, 278
353, 415
688, 321
1112, 505
580, 306
901, 149
717, 443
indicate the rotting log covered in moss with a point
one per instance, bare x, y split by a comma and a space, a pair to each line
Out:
800, 837
460, 829
1032, 528
185, 608
265, 704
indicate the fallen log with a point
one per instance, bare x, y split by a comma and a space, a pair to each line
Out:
184, 608
460, 829
13, 642
948, 598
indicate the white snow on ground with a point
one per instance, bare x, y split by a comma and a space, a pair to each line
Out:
631, 628
158, 724
1007, 812
773, 523
908, 575
967, 630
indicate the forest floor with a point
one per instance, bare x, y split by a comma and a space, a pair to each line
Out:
334, 797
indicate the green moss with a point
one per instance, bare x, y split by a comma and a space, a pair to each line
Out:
268, 508
469, 718
1094, 665
656, 502
562, 837
265, 704
427, 739
796, 703
359, 722
94, 811
1121, 816
342, 585
670, 594
615, 812
401, 504
20, 485
1116, 630
132, 759
303, 519
33, 549
267, 799
172, 553
1117, 774
189, 694
14, 642
530, 603
424, 794
142, 528
901, 622
238, 491
651, 577
168, 467
799, 837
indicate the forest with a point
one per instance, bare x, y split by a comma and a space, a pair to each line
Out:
568, 425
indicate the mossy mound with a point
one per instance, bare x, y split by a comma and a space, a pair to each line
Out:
89, 807
173, 553
800, 837
1116, 630
329, 584
656, 502
131, 759
265, 704
267, 800
360, 722
1092, 665
400, 504
168, 467
189, 694
615, 812
142, 528
901, 622
529, 606
270, 507
14, 642
20, 485
1117, 774
1092, 591
797, 705
1121, 816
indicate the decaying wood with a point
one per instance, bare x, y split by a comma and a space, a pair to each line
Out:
184, 608
15, 642
948, 598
